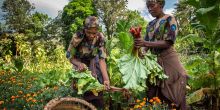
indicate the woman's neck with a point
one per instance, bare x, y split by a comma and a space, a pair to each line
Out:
160, 15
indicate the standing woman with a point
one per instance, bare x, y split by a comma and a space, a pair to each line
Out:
160, 39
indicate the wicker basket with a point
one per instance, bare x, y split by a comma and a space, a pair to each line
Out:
69, 103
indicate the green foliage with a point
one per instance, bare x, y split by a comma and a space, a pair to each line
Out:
21, 91
86, 82
133, 72
110, 12
126, 41
17, 13
132, 18
136, 71
203, 39
37, 26
73, 16
19, 64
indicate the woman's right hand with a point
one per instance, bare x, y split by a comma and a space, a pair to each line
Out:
81, 67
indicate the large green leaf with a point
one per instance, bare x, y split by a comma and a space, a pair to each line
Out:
86, 82
197, 96
133, 70
126, 41
217, 59
205, 10
136, 71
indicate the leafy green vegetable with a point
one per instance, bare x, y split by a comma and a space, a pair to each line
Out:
86, 82
136, 71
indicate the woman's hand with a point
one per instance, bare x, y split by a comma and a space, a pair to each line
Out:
139, 42
81, 67
106, 84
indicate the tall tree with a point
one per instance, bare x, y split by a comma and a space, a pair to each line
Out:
110, 11
36, 27
54, 28
74, 14
17, 12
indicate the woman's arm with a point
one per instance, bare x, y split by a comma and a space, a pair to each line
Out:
78, 64
103, 69
157, 44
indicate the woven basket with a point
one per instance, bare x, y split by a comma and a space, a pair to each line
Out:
69, 103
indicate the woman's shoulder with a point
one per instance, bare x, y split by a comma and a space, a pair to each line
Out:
152, 22
169, 17
101, 36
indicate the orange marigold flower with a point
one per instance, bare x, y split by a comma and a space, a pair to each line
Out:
157, 100
142, 103
151, 100
144, 99
138, 100
13, 97
12, 100
34, 100
1, 102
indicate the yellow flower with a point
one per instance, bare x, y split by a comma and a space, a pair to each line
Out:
28, 95
20, 92
30, 98
34, 94
20, 84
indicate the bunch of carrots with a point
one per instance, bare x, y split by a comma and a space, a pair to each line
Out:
136, 33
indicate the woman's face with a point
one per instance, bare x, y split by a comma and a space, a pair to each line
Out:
91, 33
155, 9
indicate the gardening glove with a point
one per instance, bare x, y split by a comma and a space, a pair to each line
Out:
68, 54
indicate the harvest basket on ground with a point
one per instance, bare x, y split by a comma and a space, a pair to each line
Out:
72, 103
69, 103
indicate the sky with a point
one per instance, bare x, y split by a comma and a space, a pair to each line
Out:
51, 7
140, 5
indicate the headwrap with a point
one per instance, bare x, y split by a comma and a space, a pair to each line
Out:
91, 21
162, 2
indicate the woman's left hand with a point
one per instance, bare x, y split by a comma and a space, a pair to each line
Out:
107, 85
